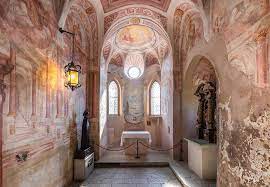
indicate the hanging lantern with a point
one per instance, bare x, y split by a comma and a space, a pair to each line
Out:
72, 71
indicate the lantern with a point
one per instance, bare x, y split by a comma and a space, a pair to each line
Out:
72, 71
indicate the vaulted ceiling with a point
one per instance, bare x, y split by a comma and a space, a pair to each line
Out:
109, 5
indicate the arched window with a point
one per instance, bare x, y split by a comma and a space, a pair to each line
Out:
155, 99
113, 98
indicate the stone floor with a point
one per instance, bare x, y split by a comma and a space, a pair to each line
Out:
153, 158
120, 157
131, 177
187, 177
147, 170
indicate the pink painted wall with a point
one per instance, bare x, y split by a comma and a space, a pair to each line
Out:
167, 102
41, 117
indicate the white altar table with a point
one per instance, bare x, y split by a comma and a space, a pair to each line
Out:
129, 137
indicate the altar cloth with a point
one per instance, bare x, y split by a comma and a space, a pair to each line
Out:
135, 135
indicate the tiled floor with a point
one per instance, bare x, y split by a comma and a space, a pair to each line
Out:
153, 158
132, 177
118, 177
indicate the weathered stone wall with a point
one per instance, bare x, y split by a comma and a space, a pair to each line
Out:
235, 40
244, 158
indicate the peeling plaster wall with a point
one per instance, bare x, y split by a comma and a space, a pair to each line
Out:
244, 158
236, 42
243, 125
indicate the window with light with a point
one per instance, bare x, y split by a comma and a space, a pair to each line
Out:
113, 98
155, 99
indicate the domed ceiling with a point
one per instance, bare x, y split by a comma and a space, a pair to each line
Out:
109, 5
135, 42
135, 37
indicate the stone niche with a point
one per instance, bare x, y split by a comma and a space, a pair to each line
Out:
199, 119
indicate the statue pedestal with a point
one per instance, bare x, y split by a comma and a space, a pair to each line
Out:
202, 158
83, 167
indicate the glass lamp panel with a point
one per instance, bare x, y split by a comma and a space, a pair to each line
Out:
73, 78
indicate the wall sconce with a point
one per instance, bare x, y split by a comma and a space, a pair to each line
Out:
72, 71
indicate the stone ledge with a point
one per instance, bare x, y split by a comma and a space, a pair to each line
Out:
187, 177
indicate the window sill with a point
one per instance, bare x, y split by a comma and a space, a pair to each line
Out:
155, 116
113, 115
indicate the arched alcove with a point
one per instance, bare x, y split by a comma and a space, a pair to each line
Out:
199, 73
152, 54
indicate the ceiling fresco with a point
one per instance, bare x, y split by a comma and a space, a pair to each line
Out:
135, 37
109, 5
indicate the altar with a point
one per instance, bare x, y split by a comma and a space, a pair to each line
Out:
130, 137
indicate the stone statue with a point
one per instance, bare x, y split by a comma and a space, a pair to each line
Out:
206, 92
210, 104
200, 112
85, 133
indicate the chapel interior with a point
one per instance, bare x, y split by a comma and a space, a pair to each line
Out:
124, 93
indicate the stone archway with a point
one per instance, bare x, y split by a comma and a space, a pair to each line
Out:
158, 52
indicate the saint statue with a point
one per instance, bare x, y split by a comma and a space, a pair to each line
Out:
206, 125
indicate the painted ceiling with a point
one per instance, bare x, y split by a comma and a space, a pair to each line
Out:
109, 5
135, 37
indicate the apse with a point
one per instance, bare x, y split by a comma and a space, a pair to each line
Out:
138, 60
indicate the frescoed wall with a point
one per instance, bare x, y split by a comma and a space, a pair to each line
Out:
41, 118
234, 37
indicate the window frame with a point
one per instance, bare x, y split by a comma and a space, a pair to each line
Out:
150, 99
118, 98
